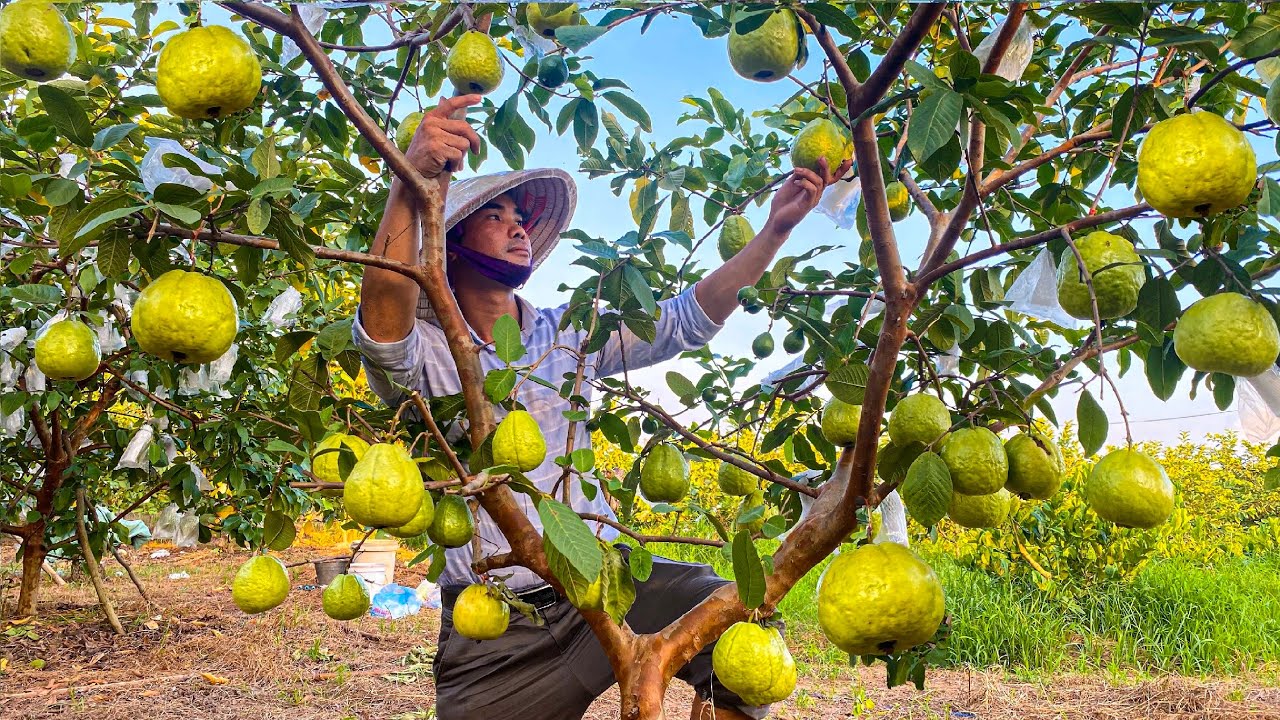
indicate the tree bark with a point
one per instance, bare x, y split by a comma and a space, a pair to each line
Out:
33, 555
132, 575
91, 564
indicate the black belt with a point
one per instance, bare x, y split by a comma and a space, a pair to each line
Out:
541, 597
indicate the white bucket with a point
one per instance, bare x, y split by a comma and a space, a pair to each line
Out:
374, 574
380, 552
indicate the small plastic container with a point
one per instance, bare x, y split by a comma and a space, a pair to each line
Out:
377, 551
327, 570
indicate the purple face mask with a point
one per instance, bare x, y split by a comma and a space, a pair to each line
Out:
496, 269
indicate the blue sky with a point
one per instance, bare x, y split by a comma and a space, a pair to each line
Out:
672, 61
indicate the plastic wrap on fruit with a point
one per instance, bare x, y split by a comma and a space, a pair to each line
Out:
283, 310
9, 340
313, 17
154, 173
1018, 55
135, 453
893, 521
109, 338
194, 381
840, 202
1259, 406
1034, 293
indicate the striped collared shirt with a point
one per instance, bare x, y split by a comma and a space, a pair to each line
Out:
422, 361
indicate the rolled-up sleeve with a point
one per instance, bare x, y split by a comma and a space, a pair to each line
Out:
391, 364
682, 325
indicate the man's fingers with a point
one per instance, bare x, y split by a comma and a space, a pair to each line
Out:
448, 105
807, 175
452, 141
460, 128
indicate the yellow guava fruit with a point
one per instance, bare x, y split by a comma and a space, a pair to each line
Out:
420, 522
260, 584
36, 41
1035, 466
68, 350
840, 422
754, 663
518, 441
980, 511
207, 72
1116, 287
1195, 165
664, 476
975, 456
735, 233
769, 52
1227, 333
453, 524
879, 599
480, 613
406, 129
821, 138
325, 465
384, 489
473, 65
733, 480
899, 200
918, 418
345, 598
185, 317
545, 23
1129, 489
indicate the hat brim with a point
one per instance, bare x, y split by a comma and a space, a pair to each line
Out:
546, 196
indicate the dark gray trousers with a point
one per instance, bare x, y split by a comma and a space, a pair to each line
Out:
555, 672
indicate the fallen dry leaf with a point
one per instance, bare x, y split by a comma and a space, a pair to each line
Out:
214, 679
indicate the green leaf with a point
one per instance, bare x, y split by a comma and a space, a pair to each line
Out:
586, 124
1158, 304
619, 590
291, 239
563, 529
1164, 370
334, 338
259, 215
615, 431
180, 213
641, 564
278, 531
834, 17
1271, 481
67, 115
61, 191
36, 294
86, 230
1092, 421
576, 37
1269, 202
849, 383
109, 136
1124, 15
680, 385
506, 339
933, 123
629, 107
583, 459
926, 492
264, 158
748, 573
308, 383
499, 383
1224, 390
640, 289
1259, 37
894, 461
113, 254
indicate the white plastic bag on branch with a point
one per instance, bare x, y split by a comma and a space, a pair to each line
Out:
11, 425
202, 482
170, 447
154, 173
313, 17
283, 310
220, 369
109, 338
135, 453
9, 341
166, 523
44, 327
840, 202
194, 381
1034, 292
36, 380
948, 363
1258, 405
1018, 55
893, 521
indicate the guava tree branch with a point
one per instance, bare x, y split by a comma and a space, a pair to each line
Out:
409, 39
932, 276
1224, 73
86, 423
606, 520
999, 178
895, 58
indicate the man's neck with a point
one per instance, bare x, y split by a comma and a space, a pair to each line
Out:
482, 302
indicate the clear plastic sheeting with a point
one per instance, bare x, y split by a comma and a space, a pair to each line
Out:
182, 529
1258, 406
194, 381
202, 481
948, 363
220, 369
9, 341
840, 202
44, 327
135, 453
536, 46
1018, 55
1035, 293
283, 310
313, 16
154, 173
109, 338
893, 521
35, 379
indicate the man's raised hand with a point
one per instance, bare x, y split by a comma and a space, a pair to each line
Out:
441, 141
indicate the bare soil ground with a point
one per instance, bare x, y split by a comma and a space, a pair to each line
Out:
195, 656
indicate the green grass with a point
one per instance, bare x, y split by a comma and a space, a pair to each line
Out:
1174, 616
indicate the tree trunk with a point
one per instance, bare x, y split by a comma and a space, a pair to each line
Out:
91, 564
33, 555
643, 687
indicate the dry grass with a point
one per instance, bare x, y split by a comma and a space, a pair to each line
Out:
197, 656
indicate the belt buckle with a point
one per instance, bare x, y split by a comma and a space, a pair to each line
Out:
533, 597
